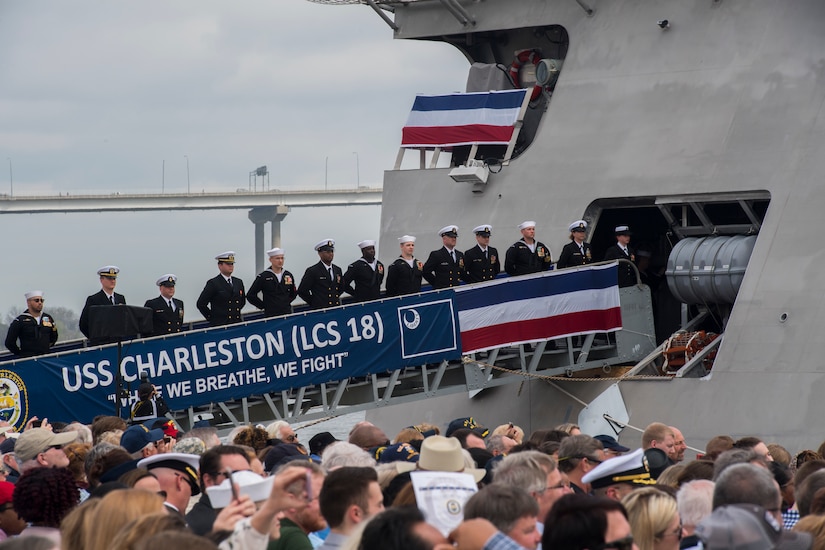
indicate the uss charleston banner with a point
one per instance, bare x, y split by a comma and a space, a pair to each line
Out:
219, 364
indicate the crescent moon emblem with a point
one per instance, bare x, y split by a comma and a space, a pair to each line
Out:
411, 319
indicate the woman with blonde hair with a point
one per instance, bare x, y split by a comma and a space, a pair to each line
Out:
118, 508
654, 519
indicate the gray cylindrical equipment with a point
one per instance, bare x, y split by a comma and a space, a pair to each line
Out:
708, 270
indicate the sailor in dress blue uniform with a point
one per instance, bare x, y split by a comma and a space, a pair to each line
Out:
482, 261
577, 252
405, 273
276, 284
322, 283
223, 296
445, 266
367, 273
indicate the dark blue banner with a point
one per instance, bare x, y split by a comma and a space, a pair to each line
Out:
213, 365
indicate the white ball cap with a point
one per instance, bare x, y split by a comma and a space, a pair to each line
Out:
249, 483
227, 257
448, 229
275, 252
578, 224
326, 243
168, 278
33, 294
365, 244
108, 271
406, 239
526, 224
484, 228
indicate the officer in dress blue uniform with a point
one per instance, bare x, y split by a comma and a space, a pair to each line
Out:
445, 266
623, 251
576, 252
482, 260
405, 273
167, 311
528, 255
367, 273
105, 297
322, 283
276, 284
223, 297
36, 331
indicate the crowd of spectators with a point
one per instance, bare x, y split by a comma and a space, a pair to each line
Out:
110, 485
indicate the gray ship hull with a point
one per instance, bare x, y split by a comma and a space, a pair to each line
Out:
728, 101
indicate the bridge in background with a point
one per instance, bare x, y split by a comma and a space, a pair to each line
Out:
264, 206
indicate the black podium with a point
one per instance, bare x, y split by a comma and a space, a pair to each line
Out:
109, 324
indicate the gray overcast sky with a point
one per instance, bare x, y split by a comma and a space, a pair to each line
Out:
95, 95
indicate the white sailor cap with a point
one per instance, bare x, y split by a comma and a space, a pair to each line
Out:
328, 244
275, 252
34, 294
622, 230
630, 468
109, 271
526, 224
366, 244
227, 257
449, 230
406, 239
484, 229
578, 225
167, 280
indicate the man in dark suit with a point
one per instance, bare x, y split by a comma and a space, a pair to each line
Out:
223, 298
576, 252
366, 272
105, 297
482, 260
527, 255
323, 283
167, 311
404, 274
276, 284
622, 251
445, 266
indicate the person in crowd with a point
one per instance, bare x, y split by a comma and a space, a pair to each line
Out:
747, 525
43, 497
654, 519
117, 509
582, 522
298, 523
33, 332
177, 474
578, 454
105, 297
510, 509
659, 436
623, 251
695, 502
500, 445
527, 255
718, 445
577, 252
679, 445
535, 473
612, 448
213, 466
323, 283
445, 266
140, 441
748, 484
482, 261
349, 496
11, 524
405, 273
150, 404
40, 447
274, 288
223, 298
366, 274
618, 477
756, 445
167, 311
